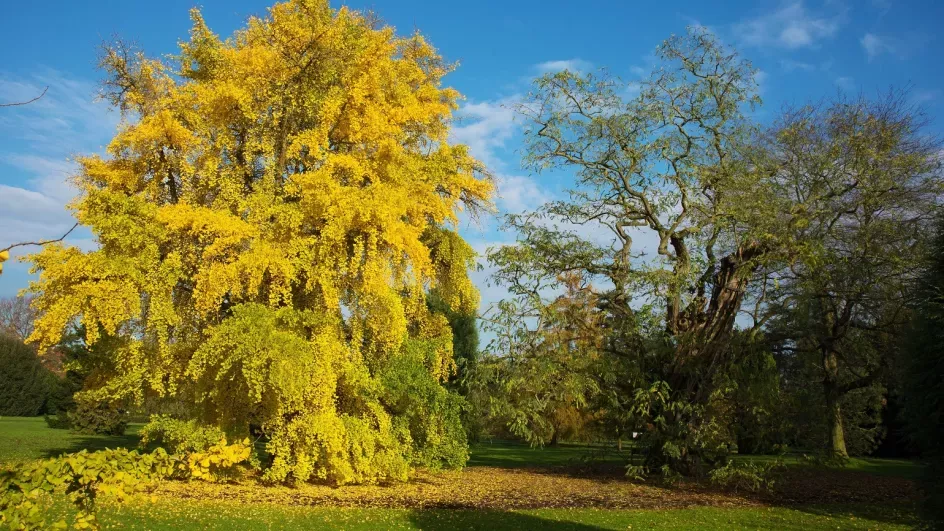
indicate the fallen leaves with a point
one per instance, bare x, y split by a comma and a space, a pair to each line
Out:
497, 488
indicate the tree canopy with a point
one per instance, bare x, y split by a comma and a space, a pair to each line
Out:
270, 216
799, 237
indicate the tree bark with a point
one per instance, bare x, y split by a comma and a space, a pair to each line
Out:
837, 438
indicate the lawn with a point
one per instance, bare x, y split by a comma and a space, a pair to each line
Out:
507, 486
24, 438
507, 454
168, 515
902, 468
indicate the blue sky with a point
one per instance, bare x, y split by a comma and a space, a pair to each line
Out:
805, 50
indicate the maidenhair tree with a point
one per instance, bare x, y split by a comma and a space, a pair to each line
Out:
270, 216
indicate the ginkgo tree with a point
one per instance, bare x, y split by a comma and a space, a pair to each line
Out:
271, 215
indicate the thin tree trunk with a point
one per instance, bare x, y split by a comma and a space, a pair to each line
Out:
837, 438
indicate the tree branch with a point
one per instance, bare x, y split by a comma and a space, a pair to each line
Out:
14, 104
41, 242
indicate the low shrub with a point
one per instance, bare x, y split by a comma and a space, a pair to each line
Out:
746, 475
100, 418
84, 476
218, 462
179, 436
59, 421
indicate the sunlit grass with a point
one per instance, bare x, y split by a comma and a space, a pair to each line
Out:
30, 438
27, 438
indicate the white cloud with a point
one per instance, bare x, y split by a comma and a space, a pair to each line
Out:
761, 77
574, 65
926, 95
518, 194
486, 127
789, 66
875, 46
36, 143
791, 27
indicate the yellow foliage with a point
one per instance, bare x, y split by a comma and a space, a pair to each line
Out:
270, 215
217, 459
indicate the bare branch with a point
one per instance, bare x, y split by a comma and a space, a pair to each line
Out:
14, 104
41, 242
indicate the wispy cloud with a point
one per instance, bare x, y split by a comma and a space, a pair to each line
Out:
883, 6
926, 95
792, 27
899, 47
639, 71
37, 142
761, 77
517, 194
875, 46
486, 127
790, 66
574, 65
845, 82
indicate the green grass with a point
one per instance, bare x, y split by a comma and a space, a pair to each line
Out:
193, 515
880, 467
24, 438
30, 438
27, 438
507, 454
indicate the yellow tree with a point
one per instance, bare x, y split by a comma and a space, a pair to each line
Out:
270, 217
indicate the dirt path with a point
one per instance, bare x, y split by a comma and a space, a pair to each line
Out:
497, 488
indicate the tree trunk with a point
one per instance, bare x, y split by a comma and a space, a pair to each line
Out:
554, 436
837, 438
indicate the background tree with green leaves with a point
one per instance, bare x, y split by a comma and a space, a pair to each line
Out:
27, 388
922, 378
862, 180
803, 235
539, 376
668, 165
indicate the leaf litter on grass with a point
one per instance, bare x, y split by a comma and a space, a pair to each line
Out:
504, 489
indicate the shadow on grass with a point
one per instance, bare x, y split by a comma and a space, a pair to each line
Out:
903, 514
491, 520
842, 494
573, 457
93, 443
